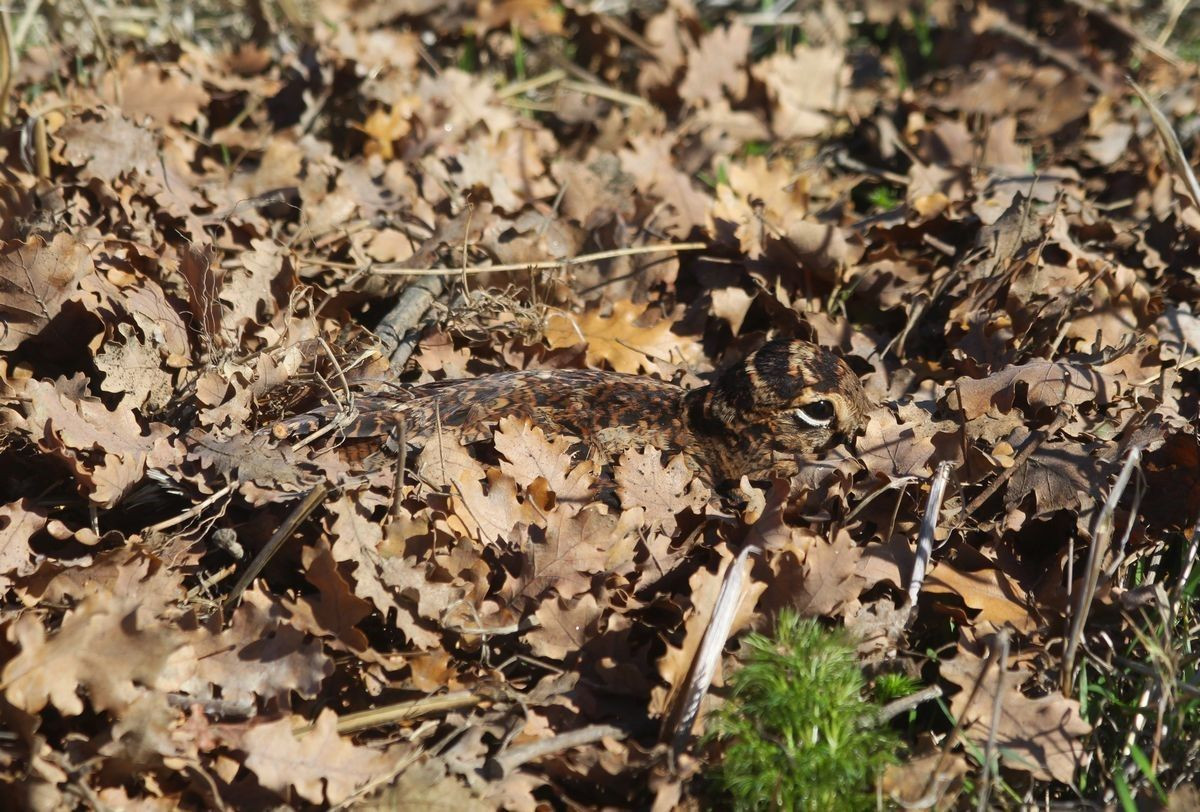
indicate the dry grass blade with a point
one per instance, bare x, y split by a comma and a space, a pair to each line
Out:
991, 762
1175, 154
933, 507
708, 654
1102, 532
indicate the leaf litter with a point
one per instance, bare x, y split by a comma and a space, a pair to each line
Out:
202, 238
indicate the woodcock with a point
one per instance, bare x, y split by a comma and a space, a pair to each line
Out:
760, 417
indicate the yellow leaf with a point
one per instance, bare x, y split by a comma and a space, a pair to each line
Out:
619, 339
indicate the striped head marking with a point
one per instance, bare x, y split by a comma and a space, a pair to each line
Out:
799, 393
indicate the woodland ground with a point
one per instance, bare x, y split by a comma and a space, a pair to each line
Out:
214, 215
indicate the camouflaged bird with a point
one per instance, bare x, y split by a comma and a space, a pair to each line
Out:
759, 417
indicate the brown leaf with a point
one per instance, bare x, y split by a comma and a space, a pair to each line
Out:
106, 647
619, 339
320, 765
134, 368
717, 66
109, 148
998, 599
1048, 384
426, 785
259, 655
652, 165
893, 449
127, 570
335, 610
490, 516
106, 450
19, 521
145, 91
380, 578
1061, 476
35, 280
566, 555
530, 455
1041, 735
812, 575
806, 87
563, 626
661, 491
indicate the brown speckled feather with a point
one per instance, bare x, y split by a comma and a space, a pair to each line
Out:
744, 423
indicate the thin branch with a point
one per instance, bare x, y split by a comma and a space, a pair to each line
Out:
1032, 445
191, 512
905, 703
504, 763
301, 512
393, 269
400, 712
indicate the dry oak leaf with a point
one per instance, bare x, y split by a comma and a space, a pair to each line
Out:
510, 167
335, 610
806, 87
784, 232
323, 767
35, 280
667, 39
717, 65
130, 569
1061, 476
652, 165
563, 626
998, 599
107, 648
534, 18
106, 449
134, 368
567, 553
1040, 735
144, 91
620, 340
259, 655
251, 292
812, 575
380, 578
1048, 384
662, 491
443, 462
110, 147
912, 783
426, 785
1178, 333
19, 521
893, 449
146, 304
490, 514
529, 455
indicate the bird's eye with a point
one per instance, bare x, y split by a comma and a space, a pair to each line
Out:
817, 414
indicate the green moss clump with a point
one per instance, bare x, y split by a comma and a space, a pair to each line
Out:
796, 732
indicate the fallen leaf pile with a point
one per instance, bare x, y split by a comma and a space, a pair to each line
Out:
205, 232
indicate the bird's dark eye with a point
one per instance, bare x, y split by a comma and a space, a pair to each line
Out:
817, 414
